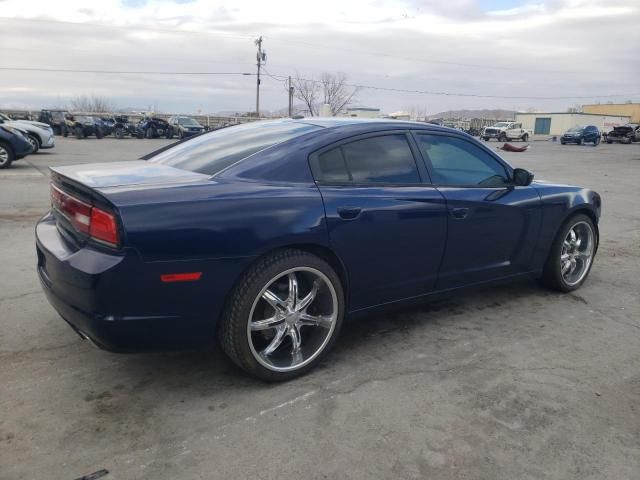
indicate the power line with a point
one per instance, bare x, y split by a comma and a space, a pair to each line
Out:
458, 94
283, 79
118, 72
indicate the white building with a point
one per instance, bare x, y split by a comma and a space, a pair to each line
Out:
545, 125
360, 111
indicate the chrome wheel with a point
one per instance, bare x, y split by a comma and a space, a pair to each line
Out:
4, 155
292, 319
576, 253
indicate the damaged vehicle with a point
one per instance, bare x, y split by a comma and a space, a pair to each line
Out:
625, 134
83, 126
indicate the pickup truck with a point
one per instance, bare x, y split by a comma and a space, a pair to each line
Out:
506, 131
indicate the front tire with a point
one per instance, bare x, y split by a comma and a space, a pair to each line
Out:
571, 255
525, 137
581, 141
35, 143
284, 316
6, 156
120, 132
79, 133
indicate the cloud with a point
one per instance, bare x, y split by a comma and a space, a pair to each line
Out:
495, 47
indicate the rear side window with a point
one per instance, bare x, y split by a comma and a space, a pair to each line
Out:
457, 162
329, 167
386, 159
213, 152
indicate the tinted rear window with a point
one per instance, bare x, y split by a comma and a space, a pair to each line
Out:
213, 152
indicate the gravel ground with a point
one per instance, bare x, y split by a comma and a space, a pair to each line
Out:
514, 382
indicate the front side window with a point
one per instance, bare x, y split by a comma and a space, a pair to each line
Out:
455, 161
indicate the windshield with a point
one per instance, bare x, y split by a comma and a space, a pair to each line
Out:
212, 152
83, 118
187, 121
502, 124
576, 129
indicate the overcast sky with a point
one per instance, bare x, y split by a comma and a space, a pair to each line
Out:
509, 48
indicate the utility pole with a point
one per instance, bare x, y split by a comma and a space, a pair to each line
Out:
290, 98
261, 57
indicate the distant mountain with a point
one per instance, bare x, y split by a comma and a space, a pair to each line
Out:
484, 113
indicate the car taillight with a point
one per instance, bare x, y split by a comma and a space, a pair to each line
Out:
85, 218
103, 227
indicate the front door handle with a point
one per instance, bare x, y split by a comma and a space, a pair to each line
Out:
459, 213
349, 213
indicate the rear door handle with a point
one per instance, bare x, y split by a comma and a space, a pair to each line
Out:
459, 213
349, 213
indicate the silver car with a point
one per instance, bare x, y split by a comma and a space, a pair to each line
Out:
40, 134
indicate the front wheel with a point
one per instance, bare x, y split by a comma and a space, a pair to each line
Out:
486, 139
596, 141
120, 132
571, 255
34, 143
502, 138
581, 141
79, 133
525, 137
6, 156
284, 316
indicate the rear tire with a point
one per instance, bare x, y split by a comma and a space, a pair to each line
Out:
6, 155
557, 273
99, 133
261, 330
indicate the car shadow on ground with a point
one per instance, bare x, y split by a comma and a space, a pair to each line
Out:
210, 370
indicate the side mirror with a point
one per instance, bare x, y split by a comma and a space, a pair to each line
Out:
522, 177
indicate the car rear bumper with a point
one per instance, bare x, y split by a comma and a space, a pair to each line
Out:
118, 301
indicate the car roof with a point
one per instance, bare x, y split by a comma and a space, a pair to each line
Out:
377, 124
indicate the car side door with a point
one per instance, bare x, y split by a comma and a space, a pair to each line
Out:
492, 225
385, 220
515, 131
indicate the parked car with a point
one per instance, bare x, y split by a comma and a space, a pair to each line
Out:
184, 126
14, 145
267, 234
581, 134
83, 126
153, 127
625, 134
55, 119
122, 127
506, 131
40, 134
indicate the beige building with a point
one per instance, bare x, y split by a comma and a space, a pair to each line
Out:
545, 125
623, 109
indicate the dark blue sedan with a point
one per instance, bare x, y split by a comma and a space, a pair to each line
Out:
14, 145
266, 235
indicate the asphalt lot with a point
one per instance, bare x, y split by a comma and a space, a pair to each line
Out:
505, 383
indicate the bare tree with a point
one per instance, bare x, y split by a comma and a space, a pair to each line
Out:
93, 104
336, 92
306, 91
333, 88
